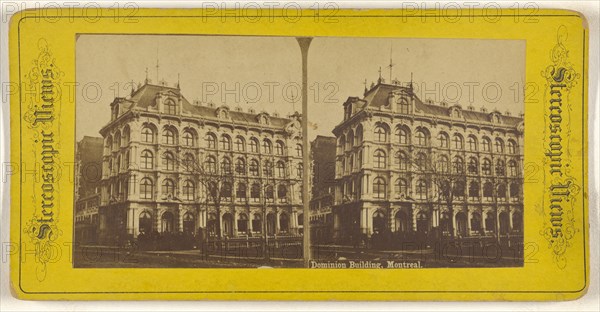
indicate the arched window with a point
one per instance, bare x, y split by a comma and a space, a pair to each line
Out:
473, 167
255, 193
269, 193
279, 147
189, 223
240, 144
226, 165
500, 167
256, 223
284, 223
188, 138
403, 106
225, 142
379, 188
168, 187
488, 190
282, 192
299, 150
401, 160
502, 192
443, 139
442, 165
350, 140
474, 191
210, 164
421, 161
280, 169
254, 145
211, 140
499, 145
486, 144
380, 134
401, 135
476, 222
486, 167
168, 136
189, 189
515, 191
458, 165
517, 222
147, 135
168, 161
240, 192
117, 142
490, 221
401, 187
242, 223
512, 147
145, 222
170, 107
512, 168
379, 159
379, 221
421, 190
267, 147
189, 162
146, 187
240, 166
358, 137
253, 168
268, 168
421, 138
226, 191
457, 141
147, 159
472, 142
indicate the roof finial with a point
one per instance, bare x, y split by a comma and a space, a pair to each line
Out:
146, 81
178, 87
380, 80
365, 83
391, 65
411, 81
157, 79
132, 87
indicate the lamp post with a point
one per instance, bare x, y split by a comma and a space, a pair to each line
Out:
304, 43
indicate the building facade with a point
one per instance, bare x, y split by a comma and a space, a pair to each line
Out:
163, 157
322, 155
412, 168
88, 175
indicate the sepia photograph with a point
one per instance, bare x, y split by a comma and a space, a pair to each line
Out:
190, 151
419, 160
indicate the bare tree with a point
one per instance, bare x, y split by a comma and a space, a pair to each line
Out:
448, 179
216, 181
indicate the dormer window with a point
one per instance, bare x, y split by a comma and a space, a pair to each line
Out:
403, 106
455, 112
495, 118
170, 107
263, 119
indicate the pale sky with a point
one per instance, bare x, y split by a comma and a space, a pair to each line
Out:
267, 70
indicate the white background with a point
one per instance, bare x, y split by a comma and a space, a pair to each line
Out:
590, 302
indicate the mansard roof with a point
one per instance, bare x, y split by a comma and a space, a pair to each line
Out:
378, 96
143, 98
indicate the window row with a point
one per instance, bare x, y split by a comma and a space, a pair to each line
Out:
422, 137
224, 142
448, 189
216, 192
253, 168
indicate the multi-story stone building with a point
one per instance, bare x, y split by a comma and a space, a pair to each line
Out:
396, 157
162, 154
322, 155
88, 173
